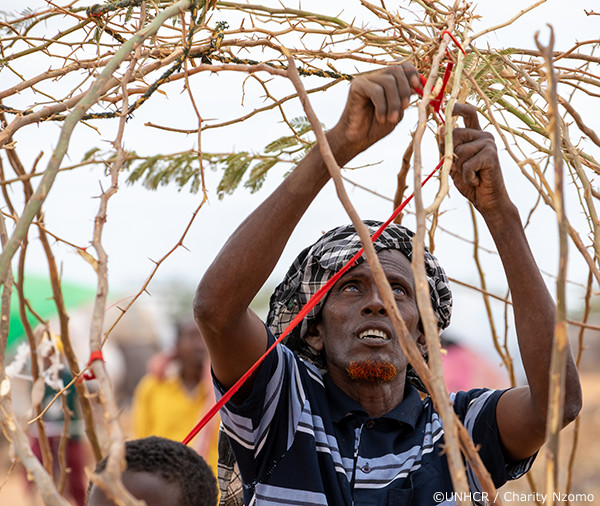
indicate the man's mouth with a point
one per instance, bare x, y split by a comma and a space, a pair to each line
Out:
373, 334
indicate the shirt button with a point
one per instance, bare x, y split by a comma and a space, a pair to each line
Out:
370, 424
366, 468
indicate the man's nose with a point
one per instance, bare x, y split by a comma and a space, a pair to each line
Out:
373, 304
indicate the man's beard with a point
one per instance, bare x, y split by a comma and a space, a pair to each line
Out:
372, 371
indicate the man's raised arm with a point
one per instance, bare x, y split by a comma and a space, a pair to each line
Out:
234, 335
521, 412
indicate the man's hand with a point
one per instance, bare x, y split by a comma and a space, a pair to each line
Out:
476, 170
375, 105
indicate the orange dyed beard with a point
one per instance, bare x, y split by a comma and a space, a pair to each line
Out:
371, 371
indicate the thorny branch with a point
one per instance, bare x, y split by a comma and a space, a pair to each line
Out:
110, 479
8, 421
560, 346
437, 384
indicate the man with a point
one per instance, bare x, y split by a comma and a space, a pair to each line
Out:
169, 402
358, 433
161, 472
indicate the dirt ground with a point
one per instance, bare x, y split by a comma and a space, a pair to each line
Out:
585, 486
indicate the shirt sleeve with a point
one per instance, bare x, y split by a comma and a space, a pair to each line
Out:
262, 428
477, 410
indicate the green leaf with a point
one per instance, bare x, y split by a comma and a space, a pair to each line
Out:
129, 14
182, 169
90, 154
235, 168
258, 174
159, 170
301, 126
281, 144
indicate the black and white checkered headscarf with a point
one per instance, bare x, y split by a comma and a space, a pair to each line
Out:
316, 264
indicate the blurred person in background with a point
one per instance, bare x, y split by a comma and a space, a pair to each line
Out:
63, 423
177, 390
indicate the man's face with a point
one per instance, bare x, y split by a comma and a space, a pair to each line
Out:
355, 329
190, 348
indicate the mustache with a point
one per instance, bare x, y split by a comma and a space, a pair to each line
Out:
371, 370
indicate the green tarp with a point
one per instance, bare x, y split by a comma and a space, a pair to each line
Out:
38, 291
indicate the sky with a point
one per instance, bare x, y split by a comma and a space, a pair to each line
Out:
144, 225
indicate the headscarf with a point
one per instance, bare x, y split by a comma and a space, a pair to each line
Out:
316, 264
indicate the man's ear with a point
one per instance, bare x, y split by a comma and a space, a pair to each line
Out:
421, 341
313, 337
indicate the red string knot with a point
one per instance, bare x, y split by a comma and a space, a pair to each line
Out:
94, 355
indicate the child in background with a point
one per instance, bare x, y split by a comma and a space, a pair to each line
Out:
161, 472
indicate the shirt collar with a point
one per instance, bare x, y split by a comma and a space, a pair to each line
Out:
342, 405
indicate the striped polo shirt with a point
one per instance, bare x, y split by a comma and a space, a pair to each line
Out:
299, 440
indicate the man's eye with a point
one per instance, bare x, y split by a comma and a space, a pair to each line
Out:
398, 290
350, 288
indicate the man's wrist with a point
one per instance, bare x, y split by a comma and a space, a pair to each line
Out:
343, 150
502, 216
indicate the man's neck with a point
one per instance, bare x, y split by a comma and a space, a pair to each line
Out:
377, 398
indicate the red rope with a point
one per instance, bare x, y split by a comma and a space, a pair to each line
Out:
436, 102
455, 41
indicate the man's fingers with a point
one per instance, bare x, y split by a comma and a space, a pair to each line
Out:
470, 169
397, 83
389, 91
373, 92
466, 135
466, 170
393, 96
408, 80
467, 142
469, 115
467, 149
473, 157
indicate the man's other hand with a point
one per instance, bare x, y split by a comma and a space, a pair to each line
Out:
476, 169
375, 105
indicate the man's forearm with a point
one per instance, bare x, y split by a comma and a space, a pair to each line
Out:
533, 307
